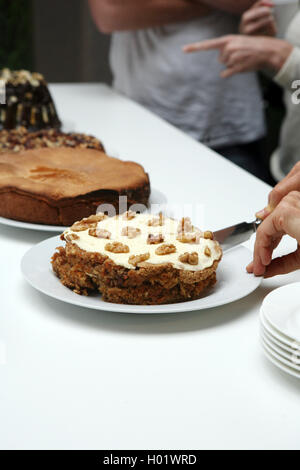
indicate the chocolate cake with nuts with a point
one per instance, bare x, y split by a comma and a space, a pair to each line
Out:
137, 259
57, 186
28, 102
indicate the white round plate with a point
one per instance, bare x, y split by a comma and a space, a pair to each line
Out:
277, 335
282, 310
279, 358
292, 358
279, 344
29, 226
157, 197
233, 283
279, 364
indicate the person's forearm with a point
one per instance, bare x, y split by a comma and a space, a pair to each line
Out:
121, 15
290, 71
231, 6
277, 52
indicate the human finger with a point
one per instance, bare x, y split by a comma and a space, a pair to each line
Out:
284, 264
206, 45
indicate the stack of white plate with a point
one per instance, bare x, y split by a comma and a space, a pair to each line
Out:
280, 328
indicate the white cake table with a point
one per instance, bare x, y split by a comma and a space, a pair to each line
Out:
73, 378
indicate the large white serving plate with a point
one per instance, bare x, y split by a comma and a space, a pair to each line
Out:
156, 198
233, 283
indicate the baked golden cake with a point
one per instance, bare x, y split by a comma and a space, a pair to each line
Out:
137, 259
57, 186
20, 139
28, 101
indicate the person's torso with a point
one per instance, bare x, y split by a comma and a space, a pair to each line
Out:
187, 90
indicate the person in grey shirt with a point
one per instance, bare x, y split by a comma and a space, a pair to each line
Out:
149, 66
257, 49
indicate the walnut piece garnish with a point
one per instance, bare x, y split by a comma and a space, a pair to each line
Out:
130, 232
96, 218
192, 237
155, 239
71, 236
189, 258
135, 260
80, 227
185, 225
208, 235
207, 251
100, 233
90, 222
117, 247
129, 215
157, 221
165, 249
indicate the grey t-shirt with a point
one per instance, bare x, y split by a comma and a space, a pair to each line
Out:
187, 90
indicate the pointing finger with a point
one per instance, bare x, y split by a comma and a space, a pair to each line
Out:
206, 45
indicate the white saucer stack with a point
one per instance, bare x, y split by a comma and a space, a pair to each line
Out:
280, 328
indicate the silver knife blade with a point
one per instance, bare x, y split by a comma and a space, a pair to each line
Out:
236, 234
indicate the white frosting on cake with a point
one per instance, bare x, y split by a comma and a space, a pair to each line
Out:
139, 245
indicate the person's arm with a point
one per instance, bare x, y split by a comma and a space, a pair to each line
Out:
289, 184
231, 6
246, 54
284, 220
281, 217
290, 70
123, 15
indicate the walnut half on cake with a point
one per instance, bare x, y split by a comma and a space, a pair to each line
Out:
133, 260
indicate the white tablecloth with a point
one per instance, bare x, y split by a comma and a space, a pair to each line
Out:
74, 378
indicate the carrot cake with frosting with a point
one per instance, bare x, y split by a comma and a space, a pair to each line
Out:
137, 259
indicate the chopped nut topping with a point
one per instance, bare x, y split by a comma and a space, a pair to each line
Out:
129, 215
157, 221
71, 236
81, 226
100, 233
192, 237
207, 251
189, 258
165, 250
130, 232
135, 260
96, 218
208, 235
155, 239
185, 225
21, 139
90, 222
117, 247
